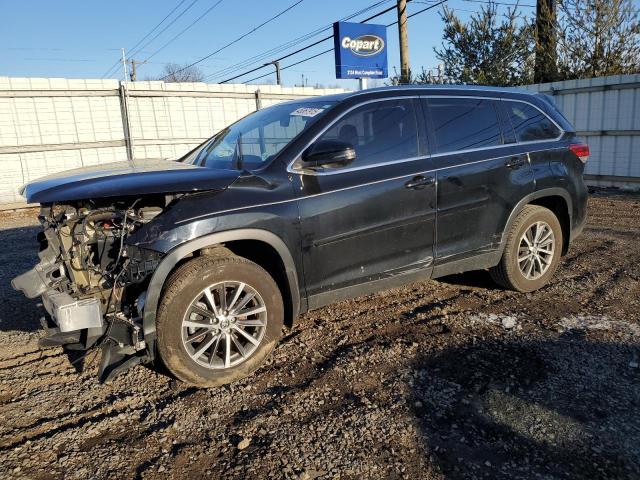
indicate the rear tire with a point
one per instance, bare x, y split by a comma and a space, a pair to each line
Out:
209, 338
532, 252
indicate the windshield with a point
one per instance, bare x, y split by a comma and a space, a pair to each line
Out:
254, 140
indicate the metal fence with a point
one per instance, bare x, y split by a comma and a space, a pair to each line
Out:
606, 113
50, 125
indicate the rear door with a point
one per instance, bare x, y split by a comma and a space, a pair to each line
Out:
375, 218
481, 174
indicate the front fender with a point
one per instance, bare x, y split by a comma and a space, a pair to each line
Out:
180, 252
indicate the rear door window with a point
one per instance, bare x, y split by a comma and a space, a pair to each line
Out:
381, 131
529, 123
464, 123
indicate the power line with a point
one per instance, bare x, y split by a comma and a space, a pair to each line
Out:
108, 72
239, 38
284, 46
305, 48
146, 36
293, 64
331, 49
134, 51
485, 1
52, 59
131, 53
185, 29
265, 55
161, 22
278, 59
502, 3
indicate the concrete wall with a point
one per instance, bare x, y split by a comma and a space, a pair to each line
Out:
53, 124
606, 113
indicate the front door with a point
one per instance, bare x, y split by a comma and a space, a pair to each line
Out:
373, 219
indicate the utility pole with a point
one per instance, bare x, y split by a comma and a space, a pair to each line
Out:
276, 64
124, 64
545, 67
133, 74
404, 41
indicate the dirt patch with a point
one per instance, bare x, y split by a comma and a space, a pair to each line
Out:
443, 379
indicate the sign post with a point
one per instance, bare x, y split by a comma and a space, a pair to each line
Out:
360, 51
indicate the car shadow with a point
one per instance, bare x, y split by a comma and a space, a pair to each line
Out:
475, 278
563, 408
18, 253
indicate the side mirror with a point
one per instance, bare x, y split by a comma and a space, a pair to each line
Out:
327, 154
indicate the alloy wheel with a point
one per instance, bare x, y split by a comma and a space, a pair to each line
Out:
536, 250
224, 325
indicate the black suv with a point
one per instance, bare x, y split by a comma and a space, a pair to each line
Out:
200, 262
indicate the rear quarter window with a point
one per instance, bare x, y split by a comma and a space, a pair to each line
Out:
529, 123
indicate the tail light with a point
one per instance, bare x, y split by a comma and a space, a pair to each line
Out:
581, 150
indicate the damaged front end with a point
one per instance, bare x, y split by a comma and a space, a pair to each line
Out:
92, 282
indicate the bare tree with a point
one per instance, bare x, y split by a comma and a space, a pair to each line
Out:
174, 73
598, 37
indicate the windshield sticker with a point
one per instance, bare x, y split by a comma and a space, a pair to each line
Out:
306, 112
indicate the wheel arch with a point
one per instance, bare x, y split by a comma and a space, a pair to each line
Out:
236, 241
556, 199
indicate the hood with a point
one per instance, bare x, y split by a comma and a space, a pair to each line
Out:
128, 178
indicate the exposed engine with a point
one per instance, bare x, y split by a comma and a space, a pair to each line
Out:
91, 242
91, 281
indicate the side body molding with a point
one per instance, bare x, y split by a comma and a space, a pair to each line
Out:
171, 260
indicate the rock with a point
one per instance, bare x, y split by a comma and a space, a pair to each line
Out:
311, 474
508, 322
244, 443
633, 364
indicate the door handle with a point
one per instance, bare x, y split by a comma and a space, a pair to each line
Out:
420, 182
515, 162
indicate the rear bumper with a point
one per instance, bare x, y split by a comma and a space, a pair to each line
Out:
580, 210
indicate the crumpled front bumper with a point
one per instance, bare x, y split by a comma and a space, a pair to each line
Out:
71, 314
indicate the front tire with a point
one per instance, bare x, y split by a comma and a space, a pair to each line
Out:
218, 320
532, 252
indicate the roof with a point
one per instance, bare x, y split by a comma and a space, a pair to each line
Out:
418, 89
442, 89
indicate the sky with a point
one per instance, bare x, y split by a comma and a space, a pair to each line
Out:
82, 39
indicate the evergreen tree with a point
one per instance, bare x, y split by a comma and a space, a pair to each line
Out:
490, 49
597, 38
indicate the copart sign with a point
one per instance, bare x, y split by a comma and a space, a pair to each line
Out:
360, 50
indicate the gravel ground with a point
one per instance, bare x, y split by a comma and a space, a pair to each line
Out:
443, 379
